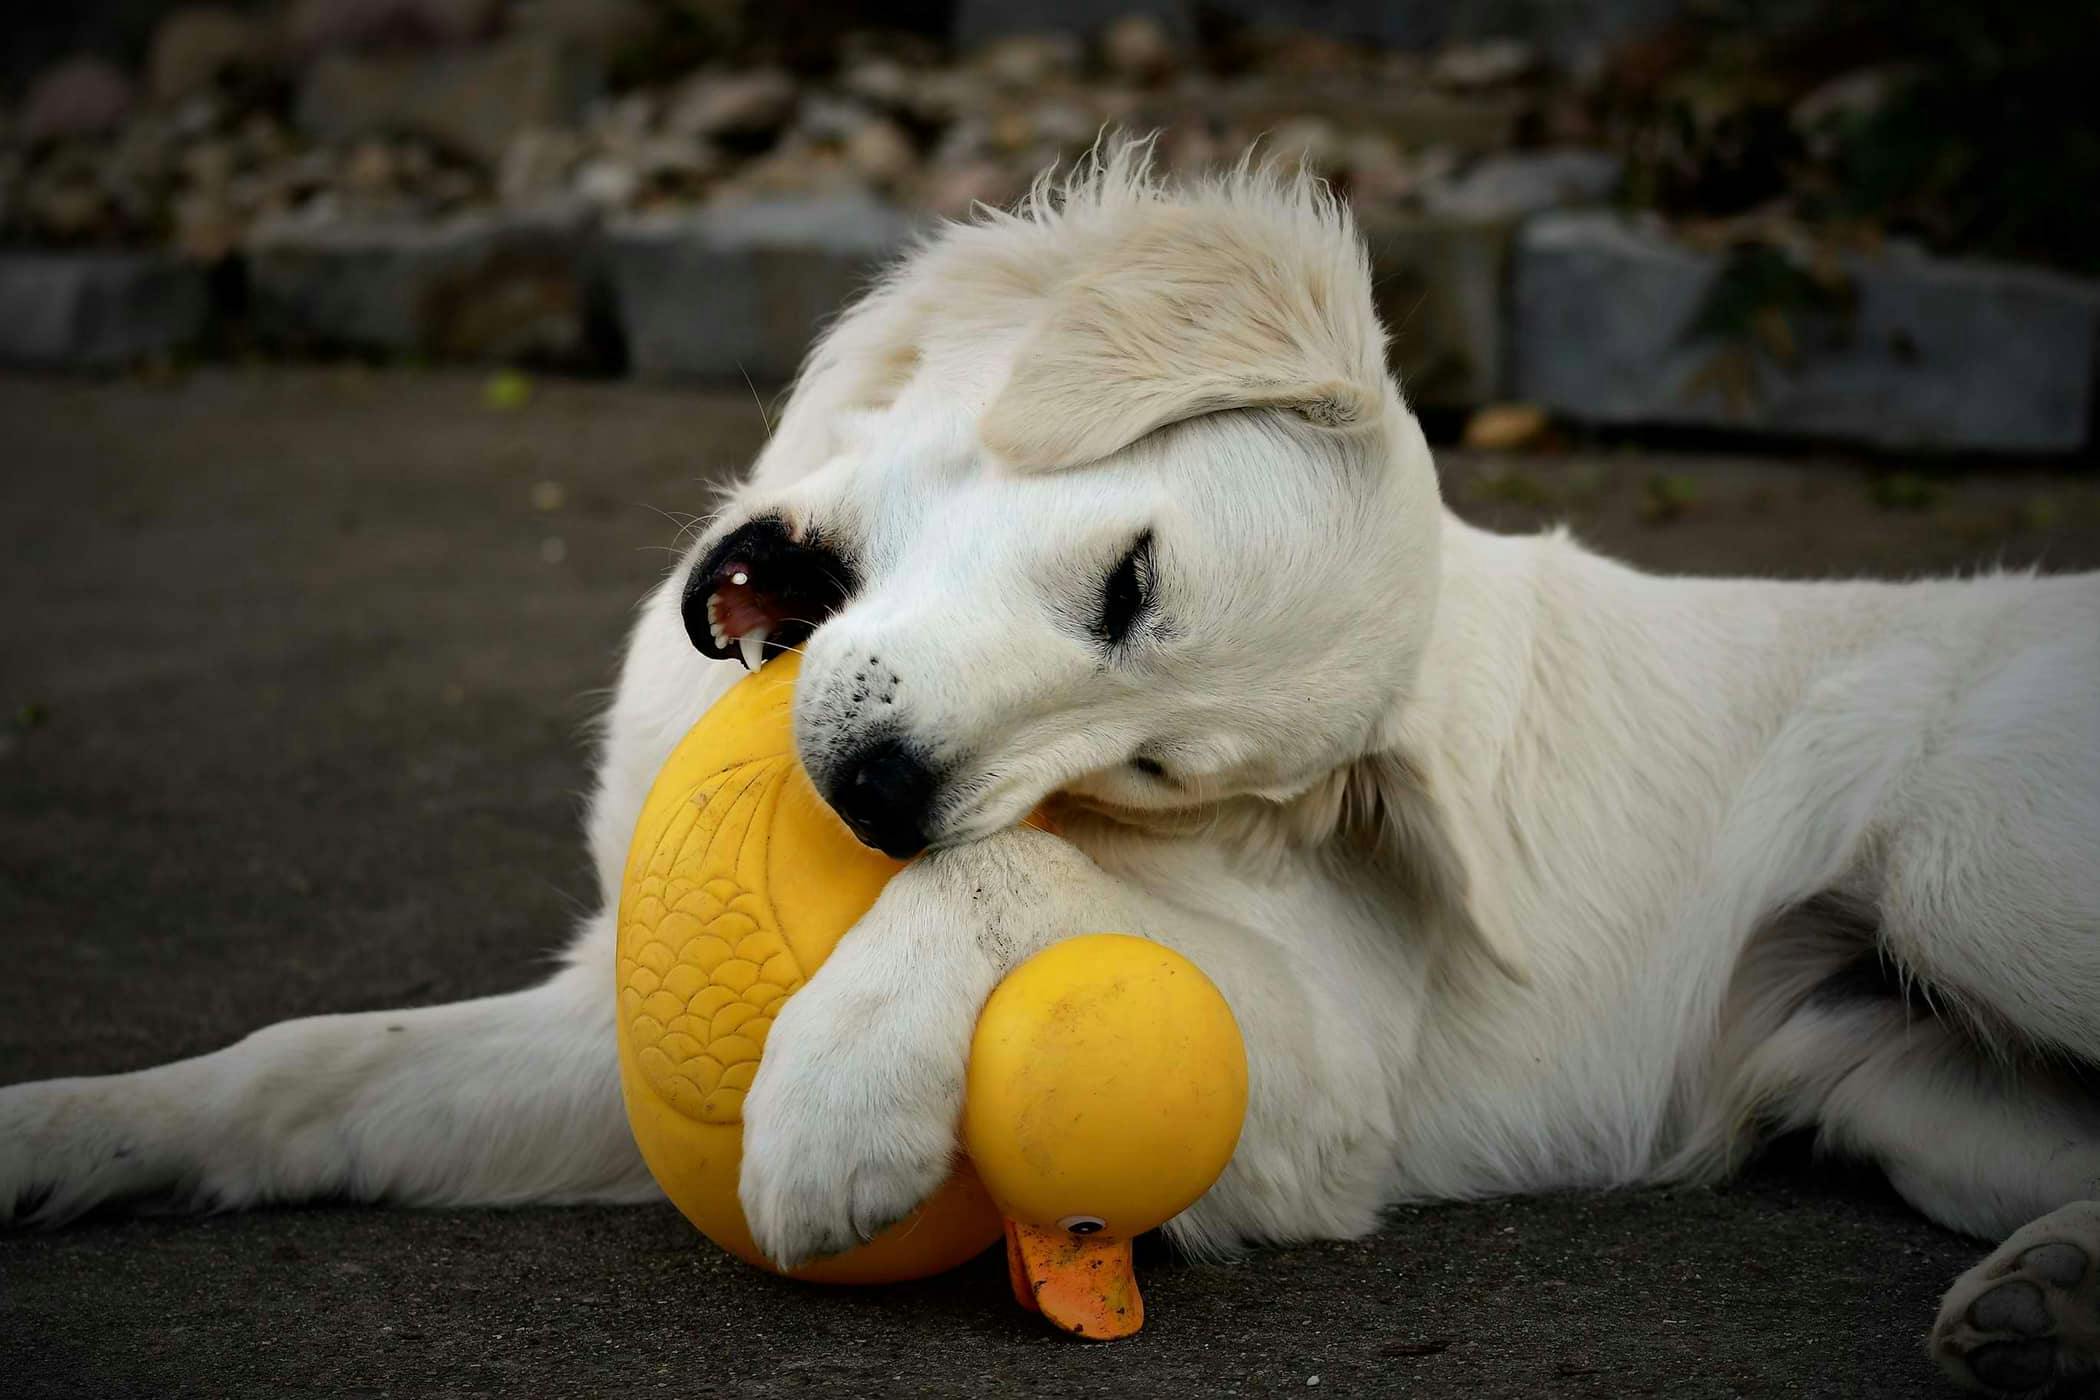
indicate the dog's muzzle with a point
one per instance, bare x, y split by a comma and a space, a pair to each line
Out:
883, 793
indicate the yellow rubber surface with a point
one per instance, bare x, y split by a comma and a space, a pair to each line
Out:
739, 882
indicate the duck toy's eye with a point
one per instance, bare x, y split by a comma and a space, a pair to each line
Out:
1083, 1224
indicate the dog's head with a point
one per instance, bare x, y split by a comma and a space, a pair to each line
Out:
1111, 497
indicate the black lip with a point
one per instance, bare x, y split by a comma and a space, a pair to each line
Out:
806, 579
896, 845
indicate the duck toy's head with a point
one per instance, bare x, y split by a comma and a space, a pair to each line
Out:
1107, 1085
1107, 1078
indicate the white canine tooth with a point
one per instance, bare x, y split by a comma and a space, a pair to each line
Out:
752, 644
740, 578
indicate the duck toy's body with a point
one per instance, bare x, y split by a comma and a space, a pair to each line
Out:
1107, 1079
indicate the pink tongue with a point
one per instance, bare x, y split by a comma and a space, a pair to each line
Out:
740, 607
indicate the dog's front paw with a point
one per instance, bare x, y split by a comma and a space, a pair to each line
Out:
850, 1123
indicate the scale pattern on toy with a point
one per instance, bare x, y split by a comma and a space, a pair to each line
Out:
704, 966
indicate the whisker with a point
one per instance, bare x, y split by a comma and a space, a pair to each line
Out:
762, 418
688, 525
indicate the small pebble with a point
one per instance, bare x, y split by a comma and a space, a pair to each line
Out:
507, 390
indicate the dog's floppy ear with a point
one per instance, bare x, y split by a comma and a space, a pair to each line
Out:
1194, 311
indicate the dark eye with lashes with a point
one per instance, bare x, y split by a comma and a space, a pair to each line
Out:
1127, 595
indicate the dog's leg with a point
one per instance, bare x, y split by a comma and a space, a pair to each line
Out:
1987, 887
1976, 1143
2028, 1316
851, 1121
503, 1100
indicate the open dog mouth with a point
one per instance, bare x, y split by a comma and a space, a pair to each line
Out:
762, 591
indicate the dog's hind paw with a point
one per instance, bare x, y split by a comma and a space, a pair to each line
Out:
59, 1156
2026, 1321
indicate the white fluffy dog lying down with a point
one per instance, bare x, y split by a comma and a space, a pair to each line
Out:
1521, 870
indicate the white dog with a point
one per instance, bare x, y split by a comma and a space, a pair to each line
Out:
1520, 869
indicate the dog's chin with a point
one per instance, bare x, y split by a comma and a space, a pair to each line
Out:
963, 830
1183, 814
1051, 813
1182, 805
1123, 790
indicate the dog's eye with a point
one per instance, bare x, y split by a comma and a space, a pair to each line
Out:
1128, 592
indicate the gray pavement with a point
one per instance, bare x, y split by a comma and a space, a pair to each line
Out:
297, 676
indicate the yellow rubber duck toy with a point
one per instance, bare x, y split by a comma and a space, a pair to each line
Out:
1107, 1079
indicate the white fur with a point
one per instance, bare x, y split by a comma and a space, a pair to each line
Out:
1521, 869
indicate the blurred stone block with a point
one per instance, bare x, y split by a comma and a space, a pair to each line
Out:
1517, 184
471, 100
1439, 285
98, 310
1614, 322
489, 287
742, 289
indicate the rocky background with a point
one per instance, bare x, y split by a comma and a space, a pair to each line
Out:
1868, 222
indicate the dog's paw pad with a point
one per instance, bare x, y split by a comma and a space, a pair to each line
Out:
2015, 1366
2058, 1262
2028, 1317
2015, 1306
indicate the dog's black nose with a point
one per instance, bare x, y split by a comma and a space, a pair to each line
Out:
883, 792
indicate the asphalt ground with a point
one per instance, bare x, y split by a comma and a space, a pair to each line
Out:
299, 668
